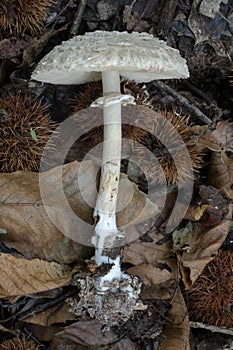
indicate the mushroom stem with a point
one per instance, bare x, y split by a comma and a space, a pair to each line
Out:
105, 210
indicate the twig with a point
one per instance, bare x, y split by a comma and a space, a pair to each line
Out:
184, 102
59, 14
215, 329
78, 17
198, 92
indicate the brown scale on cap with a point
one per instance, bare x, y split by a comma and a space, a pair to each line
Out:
210, 299
159, 151
90, 92
25, 127
23, 16
18, 344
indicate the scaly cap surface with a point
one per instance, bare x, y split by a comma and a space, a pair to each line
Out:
136, 56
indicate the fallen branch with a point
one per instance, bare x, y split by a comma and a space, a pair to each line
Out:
211, 328
185, 102
78, 17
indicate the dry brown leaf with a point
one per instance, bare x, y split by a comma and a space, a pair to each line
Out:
37, 45
207, 29
20, 276
30, 230
42, 333
205, 137
133, 21
195, 212
13, 47
157, 282
82, 335
139, 252
26, 223
209, 8
157, 268
196, 245
207, 214
176, 334
221, 166
52, 315
154, 264
125, 344
150, 274
212, 216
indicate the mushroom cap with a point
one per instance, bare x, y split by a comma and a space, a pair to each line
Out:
136, 56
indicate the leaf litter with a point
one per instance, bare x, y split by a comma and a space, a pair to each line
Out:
40, 263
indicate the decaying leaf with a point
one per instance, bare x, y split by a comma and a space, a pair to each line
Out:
176, 334
37, 45
150, 274
157, 282
125, 344
195, 212
207, 214
155, 265
221, 165
52, 315
82, 335
207, 29
133, 21
21, 276
42, 333
13, 47
28, 227
139, 252
209, 8
196, 245
49, 229
216, 205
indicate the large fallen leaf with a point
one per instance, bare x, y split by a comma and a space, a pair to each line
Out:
196, 245
155, 264
221, 165
25, 221
52, 315
57, 227
20, 276
140, 252
176, 334
82, 335
150, 274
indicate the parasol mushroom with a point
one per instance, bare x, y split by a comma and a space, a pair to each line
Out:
107, 56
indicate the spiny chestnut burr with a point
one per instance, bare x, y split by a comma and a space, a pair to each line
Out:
18, 344
166, 165
180, 125
210, 300
23, 16
25, 127
89, 92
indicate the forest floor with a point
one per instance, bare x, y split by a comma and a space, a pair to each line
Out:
186, 273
